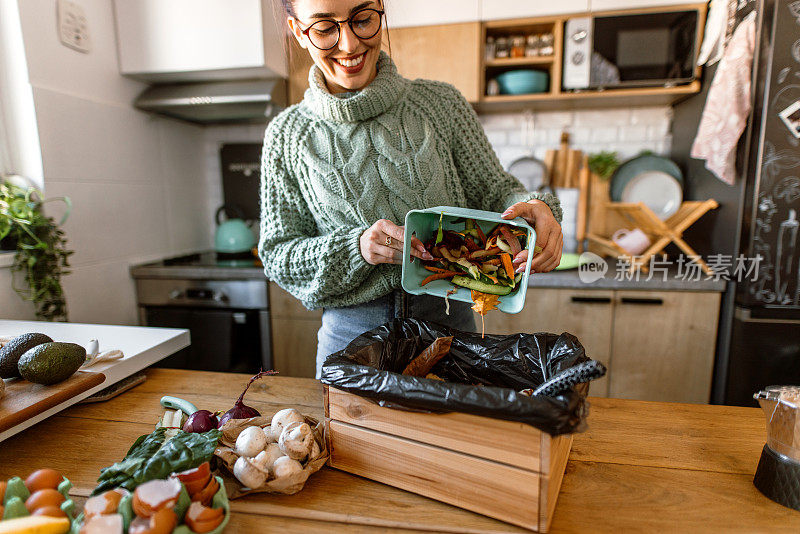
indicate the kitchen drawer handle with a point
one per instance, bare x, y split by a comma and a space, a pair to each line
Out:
591, 300
642, 300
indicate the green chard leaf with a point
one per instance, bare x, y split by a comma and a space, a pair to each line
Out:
152, 457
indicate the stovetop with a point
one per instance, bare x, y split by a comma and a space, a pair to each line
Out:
211, 259
202, 265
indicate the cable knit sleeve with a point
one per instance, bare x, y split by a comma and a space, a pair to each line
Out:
486, 185
310, 266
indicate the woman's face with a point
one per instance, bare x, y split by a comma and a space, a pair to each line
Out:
351, 64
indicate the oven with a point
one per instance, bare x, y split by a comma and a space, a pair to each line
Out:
228, 319
614, 50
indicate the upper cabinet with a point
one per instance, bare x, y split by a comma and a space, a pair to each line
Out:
197, 40
404, 13
609, 5
513, 9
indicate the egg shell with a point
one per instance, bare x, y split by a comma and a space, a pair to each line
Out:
43, 479
44, 497
50, 511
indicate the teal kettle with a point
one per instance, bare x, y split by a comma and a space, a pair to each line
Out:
233, 236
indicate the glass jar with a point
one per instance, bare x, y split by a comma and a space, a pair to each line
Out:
546, 44
501, 47
517, 46
490, 48
533, 45
492, 88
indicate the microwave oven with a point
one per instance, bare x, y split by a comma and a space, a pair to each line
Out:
654, 49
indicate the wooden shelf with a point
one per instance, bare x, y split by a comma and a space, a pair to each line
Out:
520, 61
640, 96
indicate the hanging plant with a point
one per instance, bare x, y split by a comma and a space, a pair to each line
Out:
40, 248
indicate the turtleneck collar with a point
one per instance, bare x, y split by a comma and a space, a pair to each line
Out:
385, 91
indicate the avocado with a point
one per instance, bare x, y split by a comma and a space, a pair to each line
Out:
12, 351
50, 363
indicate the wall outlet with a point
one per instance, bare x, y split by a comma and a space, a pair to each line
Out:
73, 29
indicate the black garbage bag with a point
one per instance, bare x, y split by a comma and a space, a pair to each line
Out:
482, 376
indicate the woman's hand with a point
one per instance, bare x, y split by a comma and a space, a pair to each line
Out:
548, 235
383, 243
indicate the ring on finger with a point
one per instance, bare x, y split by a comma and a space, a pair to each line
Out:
388, 241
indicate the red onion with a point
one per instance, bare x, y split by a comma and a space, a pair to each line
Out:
240, 410
200, 421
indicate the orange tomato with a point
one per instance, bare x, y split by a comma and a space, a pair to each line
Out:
3, 485
43, 479
44, 497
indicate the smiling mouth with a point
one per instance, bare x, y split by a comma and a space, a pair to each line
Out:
350, 62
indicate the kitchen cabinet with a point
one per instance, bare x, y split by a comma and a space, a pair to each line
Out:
586, 314
663, 345
609, 5
294, 334
198, 40
513, 9
447, 52
401, 14
657, 345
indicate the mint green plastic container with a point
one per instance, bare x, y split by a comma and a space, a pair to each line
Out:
424, 223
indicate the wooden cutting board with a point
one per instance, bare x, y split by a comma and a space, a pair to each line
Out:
24, 399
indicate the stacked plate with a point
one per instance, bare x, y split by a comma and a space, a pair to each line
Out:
653, 180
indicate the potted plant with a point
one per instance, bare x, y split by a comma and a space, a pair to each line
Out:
40, 251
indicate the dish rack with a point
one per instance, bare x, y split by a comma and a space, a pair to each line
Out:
661, 233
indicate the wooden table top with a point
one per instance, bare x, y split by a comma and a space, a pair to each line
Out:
639, 467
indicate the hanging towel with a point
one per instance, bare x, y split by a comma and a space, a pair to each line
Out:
728, 105
714, 40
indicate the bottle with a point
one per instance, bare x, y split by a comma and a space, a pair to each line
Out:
490, 48
532, 45
546, 48
517, 46
501, 48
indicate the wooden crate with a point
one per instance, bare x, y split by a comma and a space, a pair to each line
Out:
503, 469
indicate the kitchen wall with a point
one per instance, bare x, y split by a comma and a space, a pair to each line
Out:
11, 306
626, 131
138, 183
215, 137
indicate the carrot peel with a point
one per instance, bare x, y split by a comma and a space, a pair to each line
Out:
509, 267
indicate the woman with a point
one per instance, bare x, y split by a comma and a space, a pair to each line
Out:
341, 169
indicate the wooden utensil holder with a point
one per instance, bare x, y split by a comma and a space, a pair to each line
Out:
661, 233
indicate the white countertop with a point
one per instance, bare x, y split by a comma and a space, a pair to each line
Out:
142, 346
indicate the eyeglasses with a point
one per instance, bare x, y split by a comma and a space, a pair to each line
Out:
325, 34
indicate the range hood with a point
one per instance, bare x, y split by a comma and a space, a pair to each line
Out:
239, 101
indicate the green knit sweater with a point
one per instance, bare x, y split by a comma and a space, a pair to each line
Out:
332, 166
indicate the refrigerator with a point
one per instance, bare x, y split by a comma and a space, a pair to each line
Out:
758, 340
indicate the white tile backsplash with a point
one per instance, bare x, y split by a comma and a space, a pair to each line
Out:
626, 131
87, 141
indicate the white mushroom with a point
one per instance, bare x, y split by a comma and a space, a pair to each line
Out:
271, 453
268, 433
251, 441
296, 440
282, 419
248, 473
285, 466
